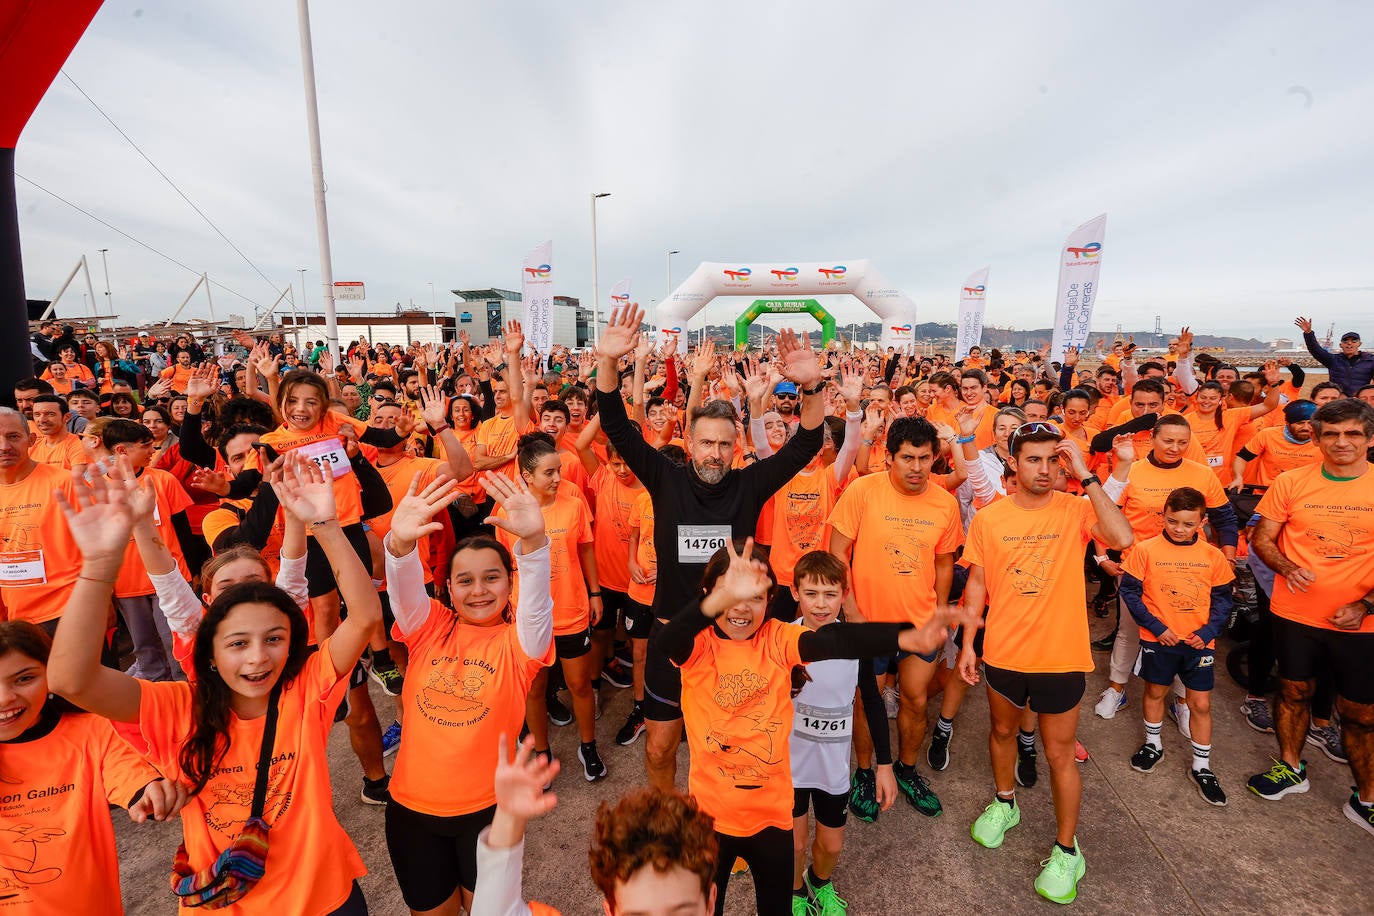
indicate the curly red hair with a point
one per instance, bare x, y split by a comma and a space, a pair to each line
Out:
652, 827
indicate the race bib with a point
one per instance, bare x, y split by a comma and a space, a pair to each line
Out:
696, 543
825, 724
330, 455
19, 568
1215, 461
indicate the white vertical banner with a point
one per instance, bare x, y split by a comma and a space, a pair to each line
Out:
620, 295
1080, 261
536, 291
972, 298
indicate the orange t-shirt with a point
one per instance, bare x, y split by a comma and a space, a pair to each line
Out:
983, 437
230, 515
323, 445
178, 375
66, 454
500, 437
572, 471
1033, 566
398, 477
39, 561
800, 511
57, 845
896, 538
471, 485
642, 517
1274, 454
615, 501
737, 709
76, 372
171, 498
1149, 486
383, 369
1178, 580
568, 522
1328, 528
1219, 445
763, 530
466, 688
306, 839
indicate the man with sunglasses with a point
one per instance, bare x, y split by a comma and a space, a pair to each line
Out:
1025, 556
785, 401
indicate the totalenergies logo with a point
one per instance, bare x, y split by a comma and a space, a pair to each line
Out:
739, 275
975, 290
622, 299
788, 273
901, 328
1090, 250
539, 273
672, 330
832, 273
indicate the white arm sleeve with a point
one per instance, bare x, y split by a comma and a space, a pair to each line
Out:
760, 438
534, 615
853, 430
498, 891
1183, 372
983, 488
179, 603
1114, 488
405, 585
291, 579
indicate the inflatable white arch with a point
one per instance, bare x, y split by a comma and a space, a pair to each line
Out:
859, 279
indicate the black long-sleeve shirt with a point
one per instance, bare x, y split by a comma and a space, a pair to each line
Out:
692, 517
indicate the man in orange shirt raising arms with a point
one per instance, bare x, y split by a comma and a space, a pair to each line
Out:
1314, 531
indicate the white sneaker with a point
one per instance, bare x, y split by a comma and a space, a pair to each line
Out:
1112, 700
891, 702
1180, 713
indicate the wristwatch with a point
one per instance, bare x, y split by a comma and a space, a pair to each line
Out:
820, 386
1368, 606
1091, 478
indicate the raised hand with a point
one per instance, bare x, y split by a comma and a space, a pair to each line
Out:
305, 490
1071, 356
851, 385
161, 800
211, 481
1304, 324
203, 382
465, 338
412, 517
356, 367
268, 367
704, 359
101, 522
514, 340
520, 781
798, 361
433, 406
745, 579
159, 389
1124, 447
524, 519
326, 362
1185, 343
622, 332
755, 381
1072, 457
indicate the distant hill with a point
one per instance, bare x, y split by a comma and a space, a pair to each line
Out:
999, 337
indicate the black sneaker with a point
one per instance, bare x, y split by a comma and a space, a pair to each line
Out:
616, 675
1144, 760
376, 793
1105, 643
634, 727
389, 678
863, 796
937, 755
559, 713
1026, 775
918, 793
1208, 787
1280, 780
1360, 815
592, 767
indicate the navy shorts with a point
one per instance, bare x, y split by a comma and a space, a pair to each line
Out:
1160, 664
614, 604
573, 645
639, 619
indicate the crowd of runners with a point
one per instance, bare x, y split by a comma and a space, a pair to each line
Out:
786, 554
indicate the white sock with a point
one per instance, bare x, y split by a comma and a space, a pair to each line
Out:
1202, 756
1152, 730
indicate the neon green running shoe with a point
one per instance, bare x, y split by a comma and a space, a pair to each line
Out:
1060, 874
916, 790
802, 906
992, 825
827, 902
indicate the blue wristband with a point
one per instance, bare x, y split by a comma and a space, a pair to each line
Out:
965, 440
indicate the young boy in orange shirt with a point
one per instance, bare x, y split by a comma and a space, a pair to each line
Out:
1177, 587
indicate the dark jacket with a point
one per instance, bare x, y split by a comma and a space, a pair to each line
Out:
1349, 373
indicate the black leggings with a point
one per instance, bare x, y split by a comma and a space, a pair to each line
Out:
355, 905
769, 856
319, 574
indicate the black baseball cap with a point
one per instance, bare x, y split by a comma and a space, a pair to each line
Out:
1350, 335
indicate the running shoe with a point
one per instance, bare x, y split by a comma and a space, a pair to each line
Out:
1102, 607
559, 713
892, 702
1328, 739
826, 901
917, 791
992, 825
937, 755
634, 727
1358, 813
596, 703
1026, 775
1257, 714
1182, 716
1208, 786
1106, 643
1060, 874
376, 792
740, 867
802, 906
391, 739
616, 674
863, 796
389, 678
1279, 780
1144, 760
1080, 753
1110, 702
592, 767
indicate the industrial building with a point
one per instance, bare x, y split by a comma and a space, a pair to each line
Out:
483, 312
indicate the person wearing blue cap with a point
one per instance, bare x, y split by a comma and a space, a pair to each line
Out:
785, 401
1351, 369
1278, 449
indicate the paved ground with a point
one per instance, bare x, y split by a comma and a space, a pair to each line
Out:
1152, 845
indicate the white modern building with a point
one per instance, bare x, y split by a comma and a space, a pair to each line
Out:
483, 312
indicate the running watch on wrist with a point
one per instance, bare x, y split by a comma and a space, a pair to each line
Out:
820, 386
1091, 478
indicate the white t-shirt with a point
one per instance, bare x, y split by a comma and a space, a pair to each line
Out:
823, 726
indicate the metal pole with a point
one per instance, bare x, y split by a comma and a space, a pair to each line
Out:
312, 117
52, 306
270, 309
596, 291
86, 270
199, 281
208, 299
109, 300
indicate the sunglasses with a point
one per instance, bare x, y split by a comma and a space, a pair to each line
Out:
1034, 428
784, 394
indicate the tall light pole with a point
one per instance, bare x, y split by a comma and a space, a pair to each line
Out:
301, 271
312, 119
109, 303
669, 294
596, 291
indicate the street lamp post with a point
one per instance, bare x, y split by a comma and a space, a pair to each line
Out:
109, 302
669, 294
596, 291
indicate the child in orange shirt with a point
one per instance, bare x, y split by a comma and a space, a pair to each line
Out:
736, 703
1177, 587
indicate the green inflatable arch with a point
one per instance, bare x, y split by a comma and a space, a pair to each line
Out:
783, 306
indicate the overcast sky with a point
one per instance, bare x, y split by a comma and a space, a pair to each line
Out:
1229, 143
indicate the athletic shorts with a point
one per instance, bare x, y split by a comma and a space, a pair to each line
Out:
319, 575
831, 810
1160, 664
574, 645
432, 856
1303, 651
1047, 693
613, 607
639, 619
662, 684
977, 640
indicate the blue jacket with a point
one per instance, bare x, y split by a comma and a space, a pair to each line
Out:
1349, 373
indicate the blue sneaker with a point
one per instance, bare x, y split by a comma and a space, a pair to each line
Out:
391, 739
